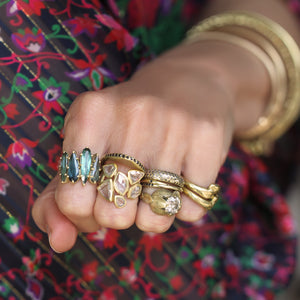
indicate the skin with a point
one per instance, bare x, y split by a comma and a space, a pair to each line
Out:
179, 113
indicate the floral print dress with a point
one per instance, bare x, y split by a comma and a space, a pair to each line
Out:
50, 52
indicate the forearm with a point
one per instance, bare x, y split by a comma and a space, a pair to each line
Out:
180, 75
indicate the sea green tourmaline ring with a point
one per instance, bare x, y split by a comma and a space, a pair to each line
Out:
85, 167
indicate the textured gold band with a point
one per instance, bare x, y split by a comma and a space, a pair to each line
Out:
159, 184
208, 204
124, 159
164, 176
208, 193
202, 196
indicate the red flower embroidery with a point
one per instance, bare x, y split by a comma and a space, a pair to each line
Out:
142, 13
176, 282
31, 7
31, 40
151, 241
53, 157
20, 152
89, 271
118, 33
11, 110
83, 24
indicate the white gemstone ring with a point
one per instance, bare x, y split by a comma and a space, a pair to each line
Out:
116, 186
161, 190
163, 201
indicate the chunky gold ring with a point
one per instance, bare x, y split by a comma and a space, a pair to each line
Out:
114, 186
163, 202
85, 167
125, 159
204, 197
164, 176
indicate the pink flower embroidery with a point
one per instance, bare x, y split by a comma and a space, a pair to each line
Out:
20, 152
3, 186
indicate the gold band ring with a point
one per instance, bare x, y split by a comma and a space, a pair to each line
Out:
165, 199
204, 197
125, 159
114, 186
208, 204
208, 193
159, 184
164, 176
85, 167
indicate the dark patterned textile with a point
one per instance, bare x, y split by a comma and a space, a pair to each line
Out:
51, 51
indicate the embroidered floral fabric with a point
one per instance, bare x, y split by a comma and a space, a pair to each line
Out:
51, 51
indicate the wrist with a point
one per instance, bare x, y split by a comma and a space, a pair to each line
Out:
241, 73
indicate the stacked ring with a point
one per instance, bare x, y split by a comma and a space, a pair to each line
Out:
165, 199
85, 167
114, 185
204, 197
125, 160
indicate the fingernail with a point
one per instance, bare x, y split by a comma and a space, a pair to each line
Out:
49, 239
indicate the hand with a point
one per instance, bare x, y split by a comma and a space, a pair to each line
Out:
176, 114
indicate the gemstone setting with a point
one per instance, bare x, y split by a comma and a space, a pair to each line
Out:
95, 169
134, 191
63, 167
73, 168
119, 201
135, 176
121, 183
85, 164
106, 189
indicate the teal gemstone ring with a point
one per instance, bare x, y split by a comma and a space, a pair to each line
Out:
86, 167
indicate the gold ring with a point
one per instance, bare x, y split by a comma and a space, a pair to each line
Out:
114, 186
125, 159
164, 176
163, 202
159, 184
85, 167
204, 197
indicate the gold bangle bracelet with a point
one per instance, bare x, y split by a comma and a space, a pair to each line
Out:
277, 43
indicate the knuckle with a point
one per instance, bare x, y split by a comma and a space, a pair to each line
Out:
192, 215
70, 204
87, 109
114, 221
159, 225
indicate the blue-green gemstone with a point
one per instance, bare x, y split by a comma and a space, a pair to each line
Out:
73, 171
63, 167
95, 171
85, 162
